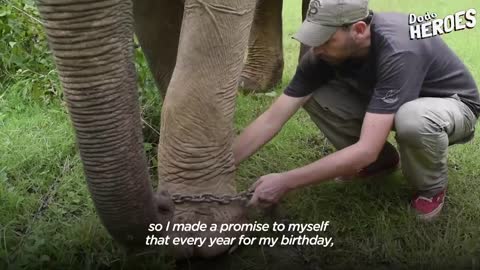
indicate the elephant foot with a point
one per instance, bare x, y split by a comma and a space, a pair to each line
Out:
260, 77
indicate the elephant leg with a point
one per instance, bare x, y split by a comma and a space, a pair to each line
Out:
196, 135
157, 26
264, 64
303, 48
92, 46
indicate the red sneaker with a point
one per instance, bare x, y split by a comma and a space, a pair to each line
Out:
428, 208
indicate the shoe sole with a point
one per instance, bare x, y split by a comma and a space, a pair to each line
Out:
432, 215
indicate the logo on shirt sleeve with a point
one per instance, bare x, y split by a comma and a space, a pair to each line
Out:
391, 96
429, 26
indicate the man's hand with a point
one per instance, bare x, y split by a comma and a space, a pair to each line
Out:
269, 189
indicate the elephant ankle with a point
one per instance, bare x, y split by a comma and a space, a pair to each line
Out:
261, 78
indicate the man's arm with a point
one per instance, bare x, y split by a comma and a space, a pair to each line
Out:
266, 126
376, 127
350, 160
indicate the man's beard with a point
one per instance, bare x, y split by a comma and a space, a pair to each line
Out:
350, 48
332, 60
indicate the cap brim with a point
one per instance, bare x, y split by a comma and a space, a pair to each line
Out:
314, 34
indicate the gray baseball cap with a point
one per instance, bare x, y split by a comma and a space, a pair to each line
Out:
325, 16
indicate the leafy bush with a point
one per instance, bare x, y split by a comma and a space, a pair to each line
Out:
26, 67
26, 64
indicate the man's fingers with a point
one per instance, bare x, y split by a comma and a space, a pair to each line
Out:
255, 184
259, 201
253, 201
256, 199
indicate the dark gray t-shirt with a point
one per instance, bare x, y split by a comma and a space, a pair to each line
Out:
396, 71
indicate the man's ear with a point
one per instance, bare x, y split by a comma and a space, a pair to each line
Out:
359, 29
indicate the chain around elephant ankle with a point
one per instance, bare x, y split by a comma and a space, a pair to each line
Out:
244, 197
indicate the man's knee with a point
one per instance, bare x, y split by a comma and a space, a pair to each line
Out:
413, 121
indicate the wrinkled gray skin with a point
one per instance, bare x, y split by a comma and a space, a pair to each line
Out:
264, 61
199, 66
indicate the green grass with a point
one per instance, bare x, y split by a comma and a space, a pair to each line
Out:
47, 219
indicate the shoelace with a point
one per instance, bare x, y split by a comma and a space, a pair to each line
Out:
424, 198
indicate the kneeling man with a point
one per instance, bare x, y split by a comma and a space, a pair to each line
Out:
362, 78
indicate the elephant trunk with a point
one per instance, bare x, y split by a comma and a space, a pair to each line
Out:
92, 47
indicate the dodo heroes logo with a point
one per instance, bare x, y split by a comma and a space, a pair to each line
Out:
429, 26
314, 6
